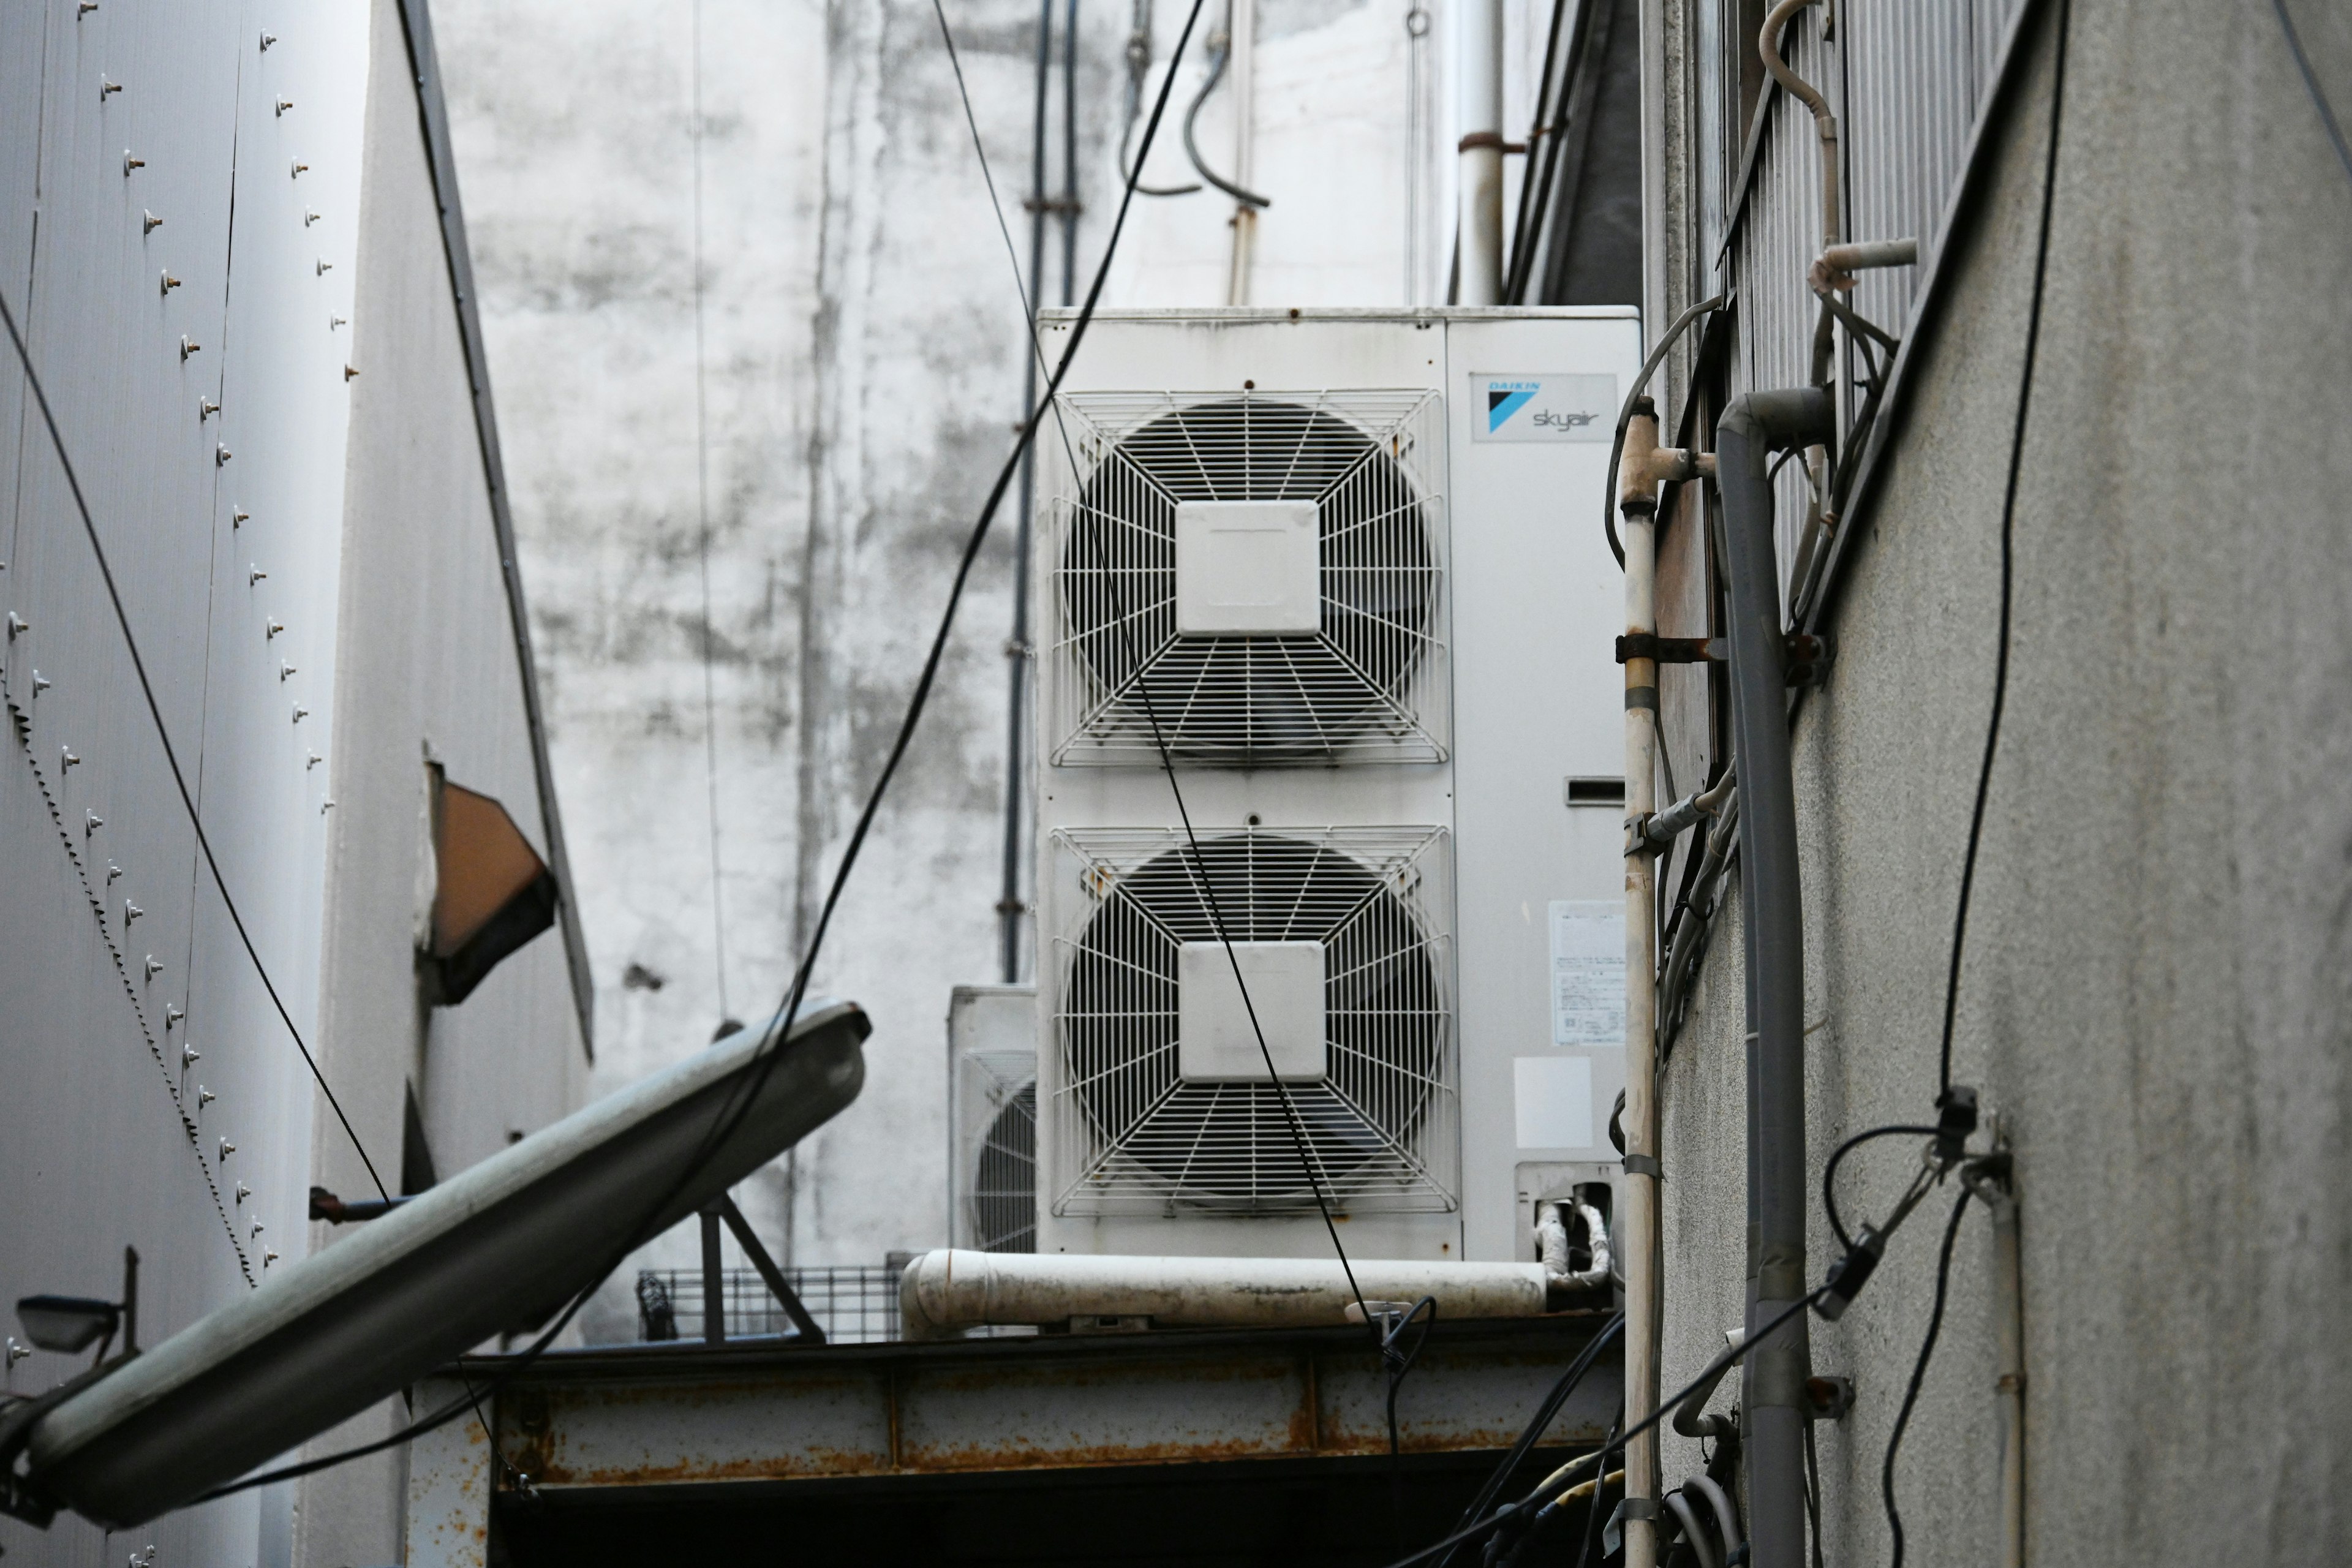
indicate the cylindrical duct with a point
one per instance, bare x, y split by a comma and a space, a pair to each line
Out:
1481, 212
944, 1291
1751, 428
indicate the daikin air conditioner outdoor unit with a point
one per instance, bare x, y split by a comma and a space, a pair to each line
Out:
1341, 573
992, 1118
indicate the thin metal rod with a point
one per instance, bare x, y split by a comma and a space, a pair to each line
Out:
1010, 906
777, 1287
714, 1283
1069, 214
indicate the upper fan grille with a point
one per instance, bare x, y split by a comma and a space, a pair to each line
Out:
1135, 1137
1366, 686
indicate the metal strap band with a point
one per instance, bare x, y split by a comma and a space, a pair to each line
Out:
1642, 697
1644, 1165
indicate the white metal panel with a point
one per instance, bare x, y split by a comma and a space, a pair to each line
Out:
1531, 696
1539, 696
113, 1134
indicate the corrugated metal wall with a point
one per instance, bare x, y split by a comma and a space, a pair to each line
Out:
1906, 78
180, 239
146, 146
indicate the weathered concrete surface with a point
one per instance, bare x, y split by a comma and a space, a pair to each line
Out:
2153, 993
861, 335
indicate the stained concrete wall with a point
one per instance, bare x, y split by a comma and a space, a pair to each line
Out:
860, 346
2153, 993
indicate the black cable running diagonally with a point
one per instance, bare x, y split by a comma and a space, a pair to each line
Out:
1205, 883
2008, 545
739, 1105
2311, 87
1597, 1462
164, 735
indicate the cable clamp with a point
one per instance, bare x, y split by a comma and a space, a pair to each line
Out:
1644, 1165
1612, 1534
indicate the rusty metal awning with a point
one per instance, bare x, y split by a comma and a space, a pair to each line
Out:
598, 1447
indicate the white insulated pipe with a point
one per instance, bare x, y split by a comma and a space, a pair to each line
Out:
945, 1291
1480, 247
1637, 1233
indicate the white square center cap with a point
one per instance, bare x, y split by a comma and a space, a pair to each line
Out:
1214, 1042
1247, 566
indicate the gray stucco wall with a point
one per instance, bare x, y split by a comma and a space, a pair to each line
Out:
2154, 993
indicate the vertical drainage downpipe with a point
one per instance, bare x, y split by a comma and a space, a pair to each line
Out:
1481, 151
1637, 1230
1009, 907
1755, 424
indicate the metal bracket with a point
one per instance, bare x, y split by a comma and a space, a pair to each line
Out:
805, 1327
1671, 650
1805, 659
1827, 1398
1644, 1165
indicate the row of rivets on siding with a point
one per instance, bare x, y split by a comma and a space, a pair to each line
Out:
173, 1015
173, 1082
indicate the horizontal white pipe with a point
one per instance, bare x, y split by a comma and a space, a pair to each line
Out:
944, 1291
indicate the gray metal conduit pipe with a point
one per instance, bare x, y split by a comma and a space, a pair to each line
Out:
1755, 426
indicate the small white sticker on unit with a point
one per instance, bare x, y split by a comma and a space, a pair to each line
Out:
1553, 1098
1524, 406
1588, 972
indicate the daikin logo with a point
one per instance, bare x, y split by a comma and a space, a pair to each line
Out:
1563, 408
1504, 398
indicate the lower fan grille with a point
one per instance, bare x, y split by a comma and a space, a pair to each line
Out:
1134, 1136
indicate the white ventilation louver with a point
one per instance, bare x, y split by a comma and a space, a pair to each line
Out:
1149, 1122
1182, 522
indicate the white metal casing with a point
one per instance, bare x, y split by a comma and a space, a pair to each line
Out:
1454, 800
992, 1117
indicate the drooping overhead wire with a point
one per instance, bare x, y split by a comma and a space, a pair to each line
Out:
1201, 876
1139, 69
2008, 546
163, 736
1221, 50
739, 1102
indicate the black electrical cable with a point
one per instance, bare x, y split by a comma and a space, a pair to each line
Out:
2008, 544
1545, 1414
1918, 1375
1592, 1509
739, 1106
1192, 151
1813, 1493
1397, 1363
1829, 1172
1542, 153
2311, 86
1598, 1459
163, 734
1139, 68
1206, 885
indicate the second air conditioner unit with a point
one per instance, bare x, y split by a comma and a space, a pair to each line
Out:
1341, 573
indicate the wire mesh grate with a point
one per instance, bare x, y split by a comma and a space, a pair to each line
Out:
1380, 1122
1366, 686
853, 1304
